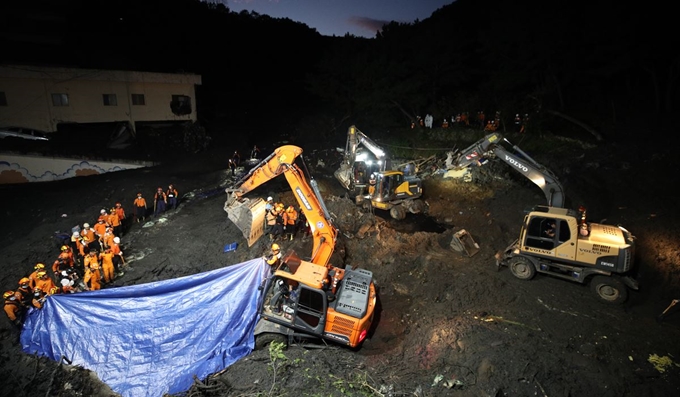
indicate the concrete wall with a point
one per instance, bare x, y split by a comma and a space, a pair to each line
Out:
15, 168
28, 91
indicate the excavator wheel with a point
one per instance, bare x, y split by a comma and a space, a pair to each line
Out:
398, 212
264, 340
522, 268
609, 289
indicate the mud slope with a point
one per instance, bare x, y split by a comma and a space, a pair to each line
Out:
448, 324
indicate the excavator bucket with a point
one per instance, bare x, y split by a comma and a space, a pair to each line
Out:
462, 242
248, 216
344, 175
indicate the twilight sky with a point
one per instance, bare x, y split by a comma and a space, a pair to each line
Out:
337, 17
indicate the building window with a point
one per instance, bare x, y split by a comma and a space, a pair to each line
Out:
3, 99
180, 105
110, 100
59, 99
138, 100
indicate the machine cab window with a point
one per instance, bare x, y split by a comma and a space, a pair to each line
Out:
547, 233
311, 307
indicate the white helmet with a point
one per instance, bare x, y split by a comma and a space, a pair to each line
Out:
116, 240
270, 198
102, 211
76, 234
86, 225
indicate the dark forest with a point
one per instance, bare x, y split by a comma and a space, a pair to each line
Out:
606, 66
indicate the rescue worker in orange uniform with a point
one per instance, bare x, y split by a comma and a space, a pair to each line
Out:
445, 123
100, 229
92, 271
103, 215
118, 259
123, 220
274, 258
159, 201
92, 239
171, 195
107, 238
67, 255
140, 208
59, 266
106, 258
272, 228
83, 246
45, 283
278, 228
24, 293
371, 185
114, 221
13, 309
38, 298
74, 243
290, 218
33, 277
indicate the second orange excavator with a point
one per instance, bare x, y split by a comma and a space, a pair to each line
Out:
303, 298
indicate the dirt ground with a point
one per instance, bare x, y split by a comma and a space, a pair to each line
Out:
448, 324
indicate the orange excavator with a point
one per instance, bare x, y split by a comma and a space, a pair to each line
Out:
303, 298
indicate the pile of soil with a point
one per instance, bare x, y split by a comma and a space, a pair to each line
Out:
447, 324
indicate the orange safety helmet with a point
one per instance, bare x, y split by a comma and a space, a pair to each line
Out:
275, 247
64, 247
8, 294
39, 266
24, 281
290, 209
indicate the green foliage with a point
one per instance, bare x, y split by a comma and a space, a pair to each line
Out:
276, 350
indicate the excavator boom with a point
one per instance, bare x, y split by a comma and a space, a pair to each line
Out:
345, 174
522, 163
248, 215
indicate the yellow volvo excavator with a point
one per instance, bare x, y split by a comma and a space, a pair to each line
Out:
303, 298
558, 241
390, 190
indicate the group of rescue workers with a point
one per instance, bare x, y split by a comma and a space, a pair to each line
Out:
463, 120
284, 223
92, 257
162, 201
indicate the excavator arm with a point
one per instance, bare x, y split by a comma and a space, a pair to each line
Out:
345, 174
523, 163
248, 215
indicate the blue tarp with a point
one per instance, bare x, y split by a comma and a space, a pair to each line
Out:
151, 339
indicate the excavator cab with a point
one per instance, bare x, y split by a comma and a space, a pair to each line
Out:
303, 300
